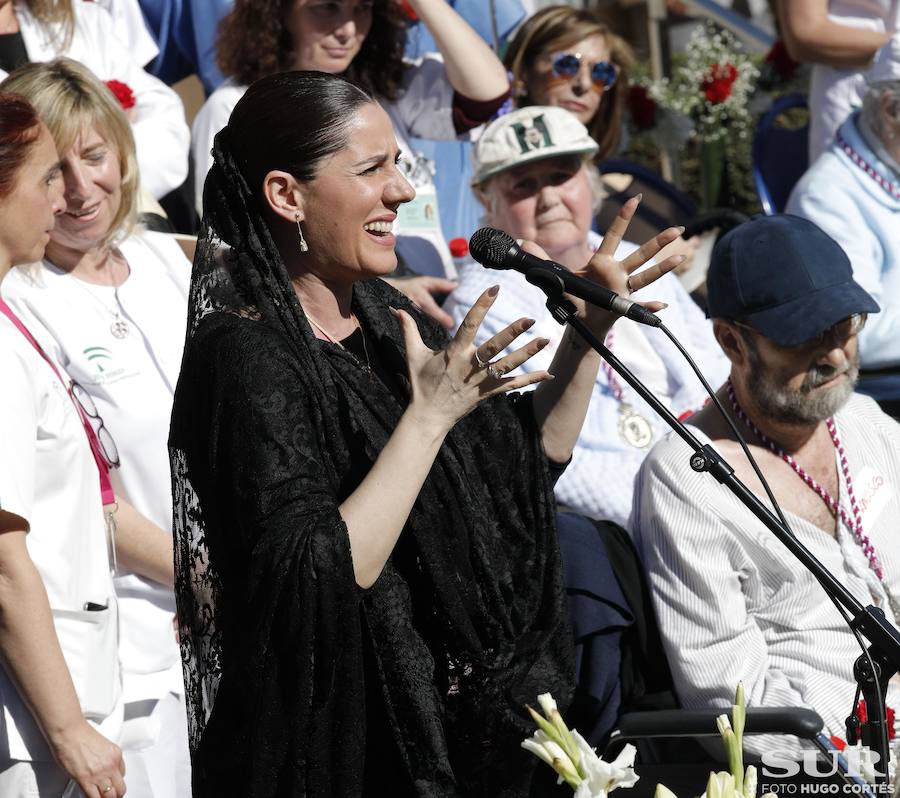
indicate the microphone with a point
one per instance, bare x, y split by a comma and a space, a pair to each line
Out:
498, 250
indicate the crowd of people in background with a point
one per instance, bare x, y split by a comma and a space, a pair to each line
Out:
281, 464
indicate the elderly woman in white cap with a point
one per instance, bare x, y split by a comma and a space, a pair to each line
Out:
534, 177
853, 193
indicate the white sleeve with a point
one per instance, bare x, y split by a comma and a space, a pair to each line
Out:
161, 133
425, 108
171, 257
18, 422
131, 29
695, 566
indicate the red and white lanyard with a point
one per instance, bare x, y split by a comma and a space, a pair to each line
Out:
611, 379
106, 489
854, 524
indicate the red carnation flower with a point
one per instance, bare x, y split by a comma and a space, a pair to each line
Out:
642, 107
718, 81
407, 9
780, 60
123, 93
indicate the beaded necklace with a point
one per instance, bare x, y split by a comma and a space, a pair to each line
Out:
634, 429
854, 524
891, 188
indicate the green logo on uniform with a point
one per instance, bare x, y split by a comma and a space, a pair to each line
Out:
97, 355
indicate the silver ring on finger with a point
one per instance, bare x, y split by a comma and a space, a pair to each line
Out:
494, 371
482, 364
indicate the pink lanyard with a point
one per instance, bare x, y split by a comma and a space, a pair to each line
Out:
854, 523
106, 489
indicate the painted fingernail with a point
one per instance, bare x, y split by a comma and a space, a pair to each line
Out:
680, 258
492, 291
542, 342
639, 197
664, 305
527, 324
680, 228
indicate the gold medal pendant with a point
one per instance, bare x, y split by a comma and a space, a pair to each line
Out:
634, 429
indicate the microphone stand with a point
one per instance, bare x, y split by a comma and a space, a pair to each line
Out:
884, 640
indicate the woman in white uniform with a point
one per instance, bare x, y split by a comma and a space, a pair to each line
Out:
109, 302
38, 30
436, 97
59, 682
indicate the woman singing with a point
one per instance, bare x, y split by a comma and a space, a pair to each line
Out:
366, 563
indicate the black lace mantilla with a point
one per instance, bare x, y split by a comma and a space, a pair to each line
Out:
298, 682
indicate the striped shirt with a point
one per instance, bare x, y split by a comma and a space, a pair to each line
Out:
734, 605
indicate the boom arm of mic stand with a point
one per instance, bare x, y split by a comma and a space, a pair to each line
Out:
883, 638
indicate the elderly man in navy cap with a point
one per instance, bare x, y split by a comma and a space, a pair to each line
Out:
733, 604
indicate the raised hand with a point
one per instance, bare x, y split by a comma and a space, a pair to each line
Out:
449, 383
622, 276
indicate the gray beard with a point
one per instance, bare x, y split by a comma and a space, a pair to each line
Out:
779, 403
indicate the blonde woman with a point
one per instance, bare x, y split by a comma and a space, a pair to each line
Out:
41, 30
109, 302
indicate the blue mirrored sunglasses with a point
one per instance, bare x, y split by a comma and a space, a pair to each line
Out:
603, 73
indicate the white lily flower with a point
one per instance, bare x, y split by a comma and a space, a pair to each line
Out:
750, 781
538, 750
723, 724
561, 762
548, 705
601, 778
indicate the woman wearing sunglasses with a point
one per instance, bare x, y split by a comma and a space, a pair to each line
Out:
60, 694
566, 57
109, 302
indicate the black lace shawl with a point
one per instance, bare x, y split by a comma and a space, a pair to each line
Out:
298, 682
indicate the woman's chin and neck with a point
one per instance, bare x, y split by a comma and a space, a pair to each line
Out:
326, 299
90, 264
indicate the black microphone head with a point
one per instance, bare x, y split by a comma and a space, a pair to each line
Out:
490, 247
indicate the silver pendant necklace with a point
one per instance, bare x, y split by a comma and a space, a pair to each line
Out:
367, 366
119, 327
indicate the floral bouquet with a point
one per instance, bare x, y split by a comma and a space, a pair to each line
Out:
577, 764
706, 100
569, 754
711, 87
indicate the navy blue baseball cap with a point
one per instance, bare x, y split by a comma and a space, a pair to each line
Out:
785, 277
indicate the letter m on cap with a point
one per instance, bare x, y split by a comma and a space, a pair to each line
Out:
533, 137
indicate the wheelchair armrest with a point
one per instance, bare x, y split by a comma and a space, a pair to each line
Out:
799, 721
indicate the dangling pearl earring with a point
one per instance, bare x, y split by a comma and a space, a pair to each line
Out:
304, 247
